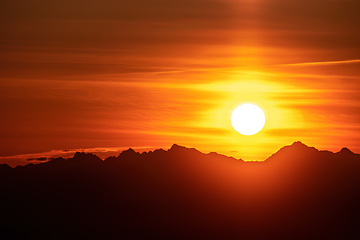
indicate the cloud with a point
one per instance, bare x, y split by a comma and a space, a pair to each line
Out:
38, 159
76, 38
114, 10
322, 63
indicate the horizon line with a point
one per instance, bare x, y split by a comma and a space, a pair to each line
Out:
69, 153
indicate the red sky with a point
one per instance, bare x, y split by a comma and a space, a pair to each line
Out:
148, 73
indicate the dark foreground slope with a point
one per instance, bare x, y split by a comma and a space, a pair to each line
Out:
298, 193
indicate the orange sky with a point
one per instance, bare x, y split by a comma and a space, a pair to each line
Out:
148, 73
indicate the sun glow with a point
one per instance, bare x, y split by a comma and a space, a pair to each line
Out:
248, 119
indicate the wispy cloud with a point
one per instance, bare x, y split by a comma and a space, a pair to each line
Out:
322, 63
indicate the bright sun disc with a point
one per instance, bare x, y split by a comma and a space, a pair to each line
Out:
248, 119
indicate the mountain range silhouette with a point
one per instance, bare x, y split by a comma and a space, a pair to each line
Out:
297, 193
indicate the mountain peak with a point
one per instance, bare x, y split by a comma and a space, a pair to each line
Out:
297, 148
128, 153
130, 150
298, 144
345, 150
175, 147
81, 157
78, 154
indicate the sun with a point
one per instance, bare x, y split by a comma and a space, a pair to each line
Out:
248, 119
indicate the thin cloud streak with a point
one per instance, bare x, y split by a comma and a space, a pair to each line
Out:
321, 63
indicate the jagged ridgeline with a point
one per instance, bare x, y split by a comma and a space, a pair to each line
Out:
297, 193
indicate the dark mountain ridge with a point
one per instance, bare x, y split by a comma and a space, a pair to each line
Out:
297, 193
292, 150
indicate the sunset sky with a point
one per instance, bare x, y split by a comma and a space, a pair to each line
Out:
112, 74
